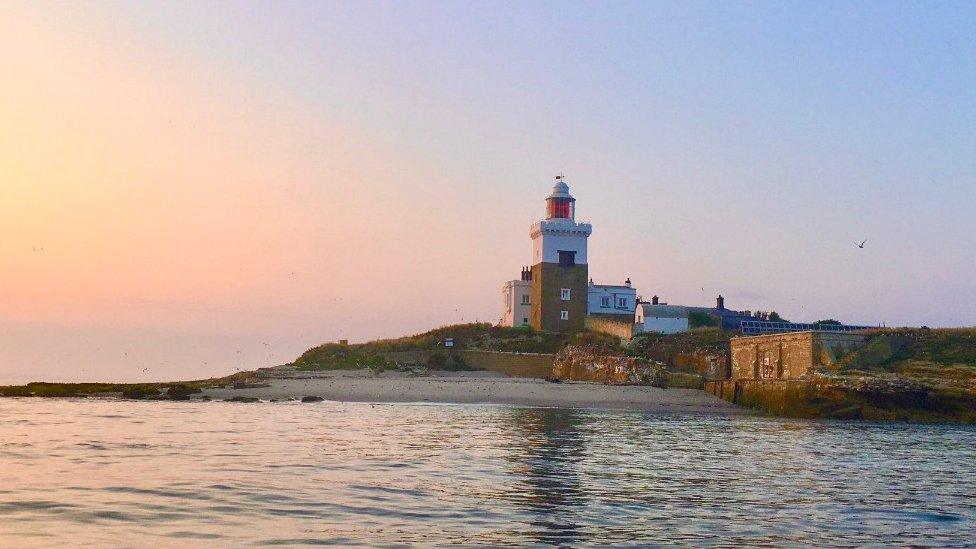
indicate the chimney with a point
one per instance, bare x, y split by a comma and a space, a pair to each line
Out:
627, 282
720, 303
654, 300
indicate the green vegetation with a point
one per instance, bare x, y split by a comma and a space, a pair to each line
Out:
475, 336
15, 391
244, 399
450, 362
662, 347
828, 322
333, 356
774, 317
138, 392
176, 391
702, 320
181, 391
947, 355
915, 375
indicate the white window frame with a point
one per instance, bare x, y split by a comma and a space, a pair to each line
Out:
605, 302
526, 299
564, 315
564, 294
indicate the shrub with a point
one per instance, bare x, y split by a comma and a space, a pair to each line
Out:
701, 320
52, 390
139, 392
15, 391
437, 361
181, 391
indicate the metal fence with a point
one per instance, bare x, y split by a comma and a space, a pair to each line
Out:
758, 327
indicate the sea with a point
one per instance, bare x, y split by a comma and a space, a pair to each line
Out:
111, 473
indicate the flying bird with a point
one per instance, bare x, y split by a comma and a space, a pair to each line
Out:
861, 245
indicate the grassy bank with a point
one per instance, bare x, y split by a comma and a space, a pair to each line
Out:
162, 391
475, 336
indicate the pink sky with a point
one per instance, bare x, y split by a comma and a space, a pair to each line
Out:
191, 191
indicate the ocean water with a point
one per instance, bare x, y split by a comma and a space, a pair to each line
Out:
112, 474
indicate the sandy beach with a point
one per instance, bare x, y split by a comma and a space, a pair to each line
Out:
481, 388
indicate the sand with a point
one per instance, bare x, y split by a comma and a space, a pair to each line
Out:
482, 388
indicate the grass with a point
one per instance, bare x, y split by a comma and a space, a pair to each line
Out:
175, 391
474, 336
664, 347
935, 356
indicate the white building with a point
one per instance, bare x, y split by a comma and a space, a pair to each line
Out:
517, 295
664, 319
608, 299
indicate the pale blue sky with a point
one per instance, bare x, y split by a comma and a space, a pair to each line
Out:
737, 147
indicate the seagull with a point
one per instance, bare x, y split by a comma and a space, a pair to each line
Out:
861, 245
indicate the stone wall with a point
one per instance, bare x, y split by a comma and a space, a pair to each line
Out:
547, 281
620, 327
533, 365
785, 398
790, 355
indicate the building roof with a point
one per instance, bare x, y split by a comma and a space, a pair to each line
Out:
663, 311
560, 189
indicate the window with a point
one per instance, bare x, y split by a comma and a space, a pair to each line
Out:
564, 294
525, 321
622, 302
605, 301
564, 315
525, 299
566, 259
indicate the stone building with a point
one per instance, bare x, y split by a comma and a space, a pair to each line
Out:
517, 297
615, 301
661, 318
789, 355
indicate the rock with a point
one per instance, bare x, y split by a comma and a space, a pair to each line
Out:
577, 363
243, 399
312, 399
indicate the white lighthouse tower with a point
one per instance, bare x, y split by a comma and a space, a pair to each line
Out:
552, 294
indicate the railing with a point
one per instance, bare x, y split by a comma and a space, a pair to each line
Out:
757, 327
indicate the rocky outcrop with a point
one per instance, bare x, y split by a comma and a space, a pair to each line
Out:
576, 363
887, 398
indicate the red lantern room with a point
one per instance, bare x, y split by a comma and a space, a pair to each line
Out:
560, 204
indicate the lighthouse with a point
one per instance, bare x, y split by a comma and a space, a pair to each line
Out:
559, 272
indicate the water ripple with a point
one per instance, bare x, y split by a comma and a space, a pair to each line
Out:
95, 472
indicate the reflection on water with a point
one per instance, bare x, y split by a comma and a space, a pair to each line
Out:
106, 473
547, 469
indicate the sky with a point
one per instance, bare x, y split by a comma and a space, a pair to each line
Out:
192, 188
